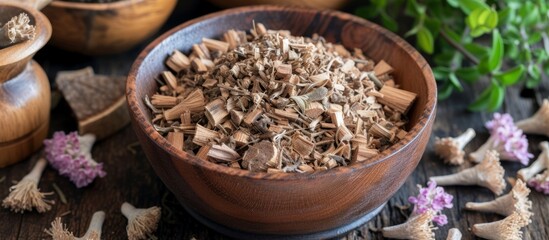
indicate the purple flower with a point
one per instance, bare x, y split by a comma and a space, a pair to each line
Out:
507, 139
432, 198
499, 120
68, 155
540, 182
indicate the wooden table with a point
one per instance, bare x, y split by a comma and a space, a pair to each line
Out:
131, 178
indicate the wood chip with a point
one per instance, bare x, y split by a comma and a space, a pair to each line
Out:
398, 99
176, 139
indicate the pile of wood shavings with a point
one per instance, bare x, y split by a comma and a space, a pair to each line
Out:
269, 101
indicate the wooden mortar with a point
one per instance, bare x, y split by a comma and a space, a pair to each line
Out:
24, 89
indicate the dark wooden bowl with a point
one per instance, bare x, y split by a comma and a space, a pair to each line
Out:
105, 28
320, 204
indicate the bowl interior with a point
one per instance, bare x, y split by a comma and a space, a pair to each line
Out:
412, 72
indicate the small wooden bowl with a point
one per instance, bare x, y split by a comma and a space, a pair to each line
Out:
318, 205
319, 4
105, 28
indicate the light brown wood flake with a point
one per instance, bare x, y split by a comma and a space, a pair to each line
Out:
215, 45
176, 139
193, 103
203, 136
223, 153
216, 112
382, 68
398, 99
178, 61
302, 145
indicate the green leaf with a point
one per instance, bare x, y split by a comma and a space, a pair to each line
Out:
482, 21
425, 40
477, 49
496, 98
441, 73
414, 9
482, 100
534, 38
506, 16
534, 76
389, 22
455, 81
367, 12
469, 74
445, 92
493, 61
467, 6
510, 76
453, 3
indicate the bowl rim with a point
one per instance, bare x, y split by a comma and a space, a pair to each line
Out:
94, 6
426, 116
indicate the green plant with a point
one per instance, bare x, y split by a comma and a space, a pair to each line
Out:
457, 34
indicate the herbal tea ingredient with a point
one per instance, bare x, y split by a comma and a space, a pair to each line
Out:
432, 198
269, 101
142, 222
98, 101
506, 229
70, 155
16, 30
537, 123
540, 182
505, 138
25, 195
515, 201
451, 149
419, 227
541, 163
59, 231
454, 234
488, 173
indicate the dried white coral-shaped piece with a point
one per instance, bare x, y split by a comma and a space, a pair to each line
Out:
142, 222
59, 231
537, 123
454, 234
506, 229
451, 149
515, 201
25, 195
537, 166
419, 227
488, 173
17, 29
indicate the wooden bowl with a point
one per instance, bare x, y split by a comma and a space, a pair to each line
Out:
105, 28
319, 4
317, 205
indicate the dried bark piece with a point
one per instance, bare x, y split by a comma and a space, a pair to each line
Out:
223, 153
178, 61
98, 101
260, 157
302, 145
176, 139
203, 136
362, 153
241, 138
215, 45
398, 99
216, 112
194, 102
382, 68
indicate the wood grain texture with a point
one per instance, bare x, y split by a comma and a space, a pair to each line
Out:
285, 203
131, 178
320, 4
24, 90
105, 28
